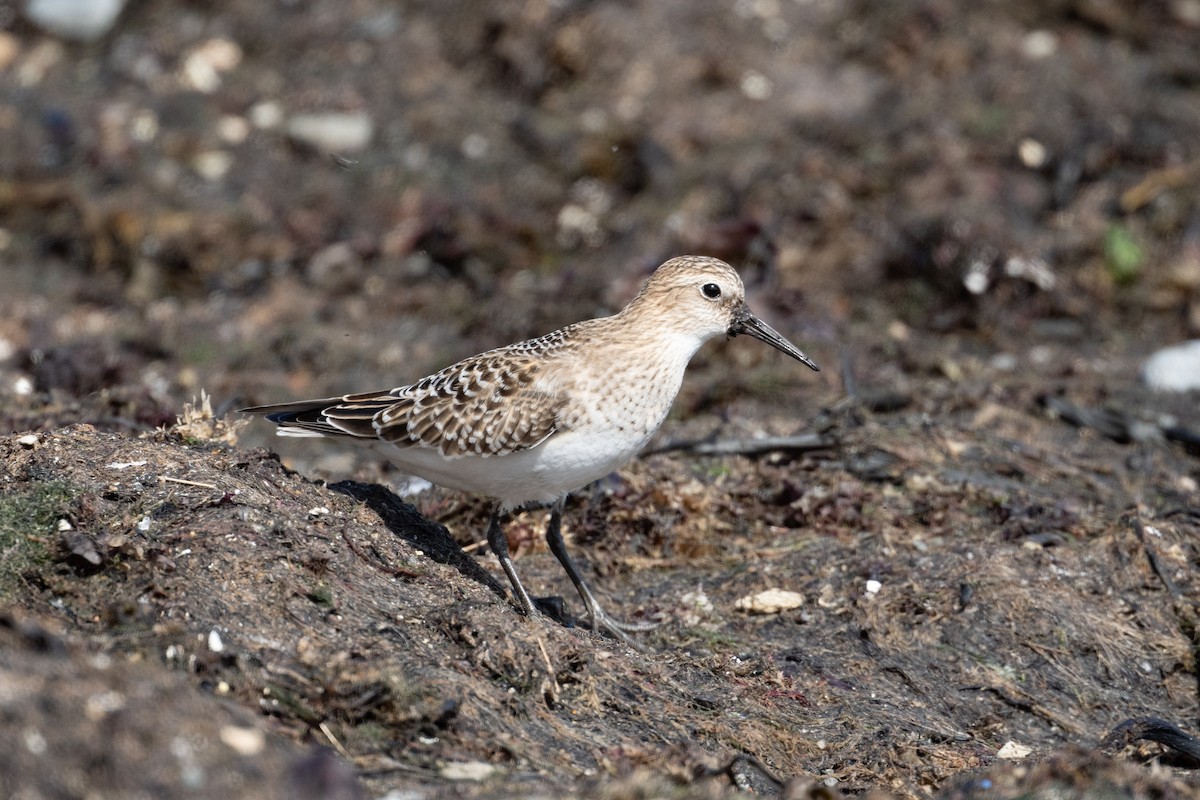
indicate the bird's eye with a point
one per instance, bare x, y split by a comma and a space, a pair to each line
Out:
711, 291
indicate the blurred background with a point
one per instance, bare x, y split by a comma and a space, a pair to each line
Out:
270, 200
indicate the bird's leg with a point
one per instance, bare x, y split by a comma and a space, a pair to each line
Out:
601, 622
499, 544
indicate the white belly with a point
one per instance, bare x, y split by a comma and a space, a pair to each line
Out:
564, 463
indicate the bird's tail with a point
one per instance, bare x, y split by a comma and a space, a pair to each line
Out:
349, 415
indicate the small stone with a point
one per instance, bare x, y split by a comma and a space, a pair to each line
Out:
233, 129
755, 85
28, 440
212, 165
873, 587
99, 706
1032, 153
332, 132
126, 464
319, 511
214, 642
204, 65
1174, 369
80, 20
467, 771
474, 145
266, 114
1039, 44
1013, 751
243, 741
771, 601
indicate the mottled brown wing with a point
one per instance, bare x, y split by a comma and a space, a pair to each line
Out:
490, 404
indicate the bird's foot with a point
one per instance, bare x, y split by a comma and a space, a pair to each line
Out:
601, 622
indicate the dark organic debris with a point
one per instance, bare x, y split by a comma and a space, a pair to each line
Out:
1121, 426
1152, 729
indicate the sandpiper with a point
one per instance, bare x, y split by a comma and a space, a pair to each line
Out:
528, 423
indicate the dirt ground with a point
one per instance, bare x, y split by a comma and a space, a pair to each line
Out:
979, 219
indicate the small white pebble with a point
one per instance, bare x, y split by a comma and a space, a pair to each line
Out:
203, 66
1013, 751
80, 20
770, 601
243, 741
474, 146
755, 85
1174, 369
64, 526
35, 742
233, 129
319, 511
977, 280
1005, 362
873, 587
332, 132
212, 165
467, 771
1032, 153
214, 642
266, 114
143, 127
144, 524
23, 386
1039, 44
28, 440
99, 706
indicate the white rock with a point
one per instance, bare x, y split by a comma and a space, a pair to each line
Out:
1174, 369
1013, 751
28, 440
82, 20
771, 601
332, 132
212, 165
208, 62
467, 771
243, 741
266, 114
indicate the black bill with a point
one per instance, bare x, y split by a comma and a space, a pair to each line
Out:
745, 322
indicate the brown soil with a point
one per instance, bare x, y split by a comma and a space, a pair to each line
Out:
996, 540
